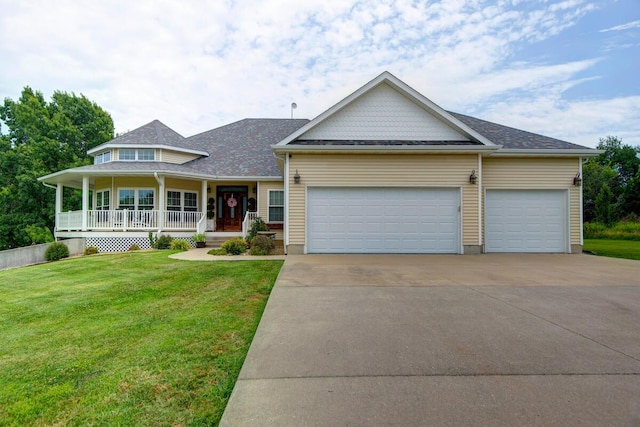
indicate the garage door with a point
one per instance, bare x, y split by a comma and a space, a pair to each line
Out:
525, 221
376, 220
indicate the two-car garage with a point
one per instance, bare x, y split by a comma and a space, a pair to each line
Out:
383, 220
428, 220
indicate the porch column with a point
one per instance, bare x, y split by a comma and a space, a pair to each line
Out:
161, 201
203, 200
59, 193
85, 201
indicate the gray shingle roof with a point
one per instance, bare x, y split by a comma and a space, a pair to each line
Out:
153, 133
512, 138
316, 142
242, 148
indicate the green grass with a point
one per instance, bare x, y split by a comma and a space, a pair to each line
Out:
126, 339
629, 249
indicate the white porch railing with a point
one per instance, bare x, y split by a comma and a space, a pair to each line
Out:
249, 218
122, 220
174, 220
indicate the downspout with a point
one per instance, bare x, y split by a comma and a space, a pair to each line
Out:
58, 207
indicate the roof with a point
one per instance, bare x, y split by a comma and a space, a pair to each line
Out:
317, 142
154, 133
242, 148
511, 138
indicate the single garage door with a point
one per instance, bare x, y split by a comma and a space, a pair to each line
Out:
382, 220
525, 221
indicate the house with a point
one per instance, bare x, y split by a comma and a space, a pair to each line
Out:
383, 171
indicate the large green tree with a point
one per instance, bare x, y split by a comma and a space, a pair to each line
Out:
42, 137
617, 169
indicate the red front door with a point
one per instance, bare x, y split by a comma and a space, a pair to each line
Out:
232, 206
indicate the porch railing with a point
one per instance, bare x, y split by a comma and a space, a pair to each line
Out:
122, 220
249, 218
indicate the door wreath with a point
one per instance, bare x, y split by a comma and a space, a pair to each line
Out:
232, 202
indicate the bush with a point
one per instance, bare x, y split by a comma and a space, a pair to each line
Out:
180, 245
56, 251
163, 242
91, 250
235, 246
217, 251
261, 245
258, 225
134, 247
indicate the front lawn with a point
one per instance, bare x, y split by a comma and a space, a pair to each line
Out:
629, 249
126, 339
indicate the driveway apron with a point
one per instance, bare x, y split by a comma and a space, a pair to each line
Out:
419, 340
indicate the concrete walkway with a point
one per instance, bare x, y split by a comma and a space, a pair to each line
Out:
496, 340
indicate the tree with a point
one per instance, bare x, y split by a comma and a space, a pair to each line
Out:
616, 168
604, 210
42, 138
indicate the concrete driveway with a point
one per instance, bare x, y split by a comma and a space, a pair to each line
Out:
445, 340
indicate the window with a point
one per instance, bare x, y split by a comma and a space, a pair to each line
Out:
186, 201
139, 154
145, 199
102, 158
127, 154
276, 206
174, 201
127, 199
102, 200
146, 154
136, 199
190, 202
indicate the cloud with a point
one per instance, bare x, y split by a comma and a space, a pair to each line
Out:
196, 65
627, 26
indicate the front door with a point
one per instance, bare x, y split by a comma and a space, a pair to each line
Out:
232, 206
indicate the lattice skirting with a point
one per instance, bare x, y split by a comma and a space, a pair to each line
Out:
122, 244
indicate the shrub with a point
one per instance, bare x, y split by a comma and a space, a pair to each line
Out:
56, 251
258, 225
261, 245
163, 242
134, 247
152, 240
180, 245
235, 246
91, 250
217, 251
199, 237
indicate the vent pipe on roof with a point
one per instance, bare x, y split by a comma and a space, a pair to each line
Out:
293, 107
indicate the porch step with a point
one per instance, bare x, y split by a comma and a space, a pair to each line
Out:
216, 242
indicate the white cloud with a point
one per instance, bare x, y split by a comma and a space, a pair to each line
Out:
627, 26
196, 65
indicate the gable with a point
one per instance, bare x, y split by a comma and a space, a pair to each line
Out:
383, 113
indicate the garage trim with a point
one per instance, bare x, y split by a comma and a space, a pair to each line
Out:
566, 211
459, 189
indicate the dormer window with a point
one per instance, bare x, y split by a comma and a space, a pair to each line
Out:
139, 154
102, 158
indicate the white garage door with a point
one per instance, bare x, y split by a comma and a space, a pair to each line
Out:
525, 221
382, 220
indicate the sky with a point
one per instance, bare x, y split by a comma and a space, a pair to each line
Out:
567, 69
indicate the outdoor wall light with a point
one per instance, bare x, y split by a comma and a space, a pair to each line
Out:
577, 180
296, 177
473, 178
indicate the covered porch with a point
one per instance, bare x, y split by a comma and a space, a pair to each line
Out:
117, 204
